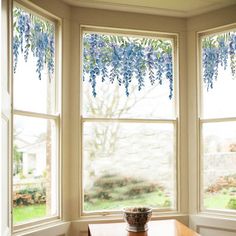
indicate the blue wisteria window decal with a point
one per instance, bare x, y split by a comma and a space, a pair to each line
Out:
121, 59
32, 33
218, 50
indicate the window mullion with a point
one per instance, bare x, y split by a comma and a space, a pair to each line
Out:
35, 114
215, 120
128, 120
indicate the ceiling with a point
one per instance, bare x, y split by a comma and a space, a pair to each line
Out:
180, 8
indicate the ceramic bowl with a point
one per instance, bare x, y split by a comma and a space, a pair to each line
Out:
137, 218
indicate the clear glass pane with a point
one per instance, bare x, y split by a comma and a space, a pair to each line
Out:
128, 164
151, 102
219, 162
35, 192
31, 93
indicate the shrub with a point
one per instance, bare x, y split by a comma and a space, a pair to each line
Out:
232, 203
111, 181
140, 188
118, 188
222, 183
102, 194
167, 203
29, 196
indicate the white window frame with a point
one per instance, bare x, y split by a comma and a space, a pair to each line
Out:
175, 121
56, 117
202, 121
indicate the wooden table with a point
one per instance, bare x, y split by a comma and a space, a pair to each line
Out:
156, 228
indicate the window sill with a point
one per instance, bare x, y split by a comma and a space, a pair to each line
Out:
56, 227
215, 216
82, 224
211, 221
119, 217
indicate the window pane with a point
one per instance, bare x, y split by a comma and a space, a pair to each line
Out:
128, 164
34, 169
151, 100
220, 101
30, 93
219, 162
218, 61
33, 62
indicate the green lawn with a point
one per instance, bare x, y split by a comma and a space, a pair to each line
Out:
24, 213
216, 201
149, 199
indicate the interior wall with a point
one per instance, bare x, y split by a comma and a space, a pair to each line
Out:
217, 18
208, 224
108, 18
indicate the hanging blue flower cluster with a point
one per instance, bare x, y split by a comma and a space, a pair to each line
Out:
31, 33
218, 51
121, 59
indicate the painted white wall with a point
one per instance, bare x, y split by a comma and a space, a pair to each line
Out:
204, 231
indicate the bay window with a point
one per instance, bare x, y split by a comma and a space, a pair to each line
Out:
129, 121
132, 133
